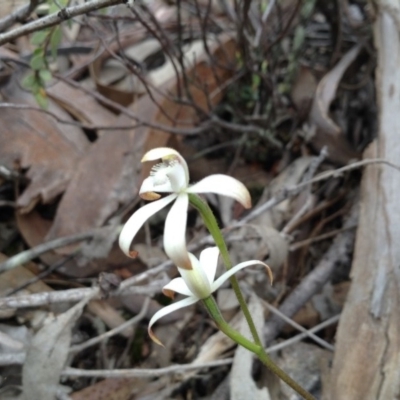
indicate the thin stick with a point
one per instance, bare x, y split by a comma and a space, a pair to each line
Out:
28, 255
303, 335
306, 332
74, 295
112, 332
57, 17
142, 372
292, 191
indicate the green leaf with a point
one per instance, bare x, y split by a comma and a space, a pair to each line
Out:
29, 81
38, 38
45, 75
299, 37
55, 41
38, 61
56, 7
42, 99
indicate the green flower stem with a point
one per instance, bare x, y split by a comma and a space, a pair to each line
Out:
258, 350
212, 226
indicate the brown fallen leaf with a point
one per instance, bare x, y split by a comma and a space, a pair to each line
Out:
81, 106
106, 178
31, 140
110, 389
15, 278
303, 91
328, 133
34, 229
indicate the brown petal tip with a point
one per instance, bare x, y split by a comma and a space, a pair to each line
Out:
150, 196
169, 293
154, 338
270, 275
133, 253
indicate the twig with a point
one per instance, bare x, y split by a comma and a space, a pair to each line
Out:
19, 15
306, 332
304, 335
338, 252
324, 236
74, 295
112, 332
67, 122
131, 114
308, 203
143, 373
57, 17
264, 18
29, 255
293, 191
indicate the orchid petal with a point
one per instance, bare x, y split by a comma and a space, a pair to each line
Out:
166, 153
149, 189
209, 262
136, 221
224, 185
177, 285
224, 277
168, 310
174, 232
196, 278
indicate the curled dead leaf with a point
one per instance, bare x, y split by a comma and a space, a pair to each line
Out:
328, 133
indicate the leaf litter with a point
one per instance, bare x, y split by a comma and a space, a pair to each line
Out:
263, 116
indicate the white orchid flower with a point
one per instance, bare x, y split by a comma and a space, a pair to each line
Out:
172, 176
197, 283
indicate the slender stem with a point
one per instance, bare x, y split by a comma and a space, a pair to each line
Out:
212, 226
258, 350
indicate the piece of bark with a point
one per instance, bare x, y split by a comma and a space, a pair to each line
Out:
367, 358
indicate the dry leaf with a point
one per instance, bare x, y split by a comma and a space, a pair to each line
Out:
303, 90
242, 384
34, 229
31, 140
106, 178
82, 106
328, 132
110, 389
47, 355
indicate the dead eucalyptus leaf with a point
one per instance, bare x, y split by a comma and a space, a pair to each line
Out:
287, 178
105, 178
81, 105
110, 389
259, 242
242, 384
47, 355
31, 140
328, 133
303, 90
